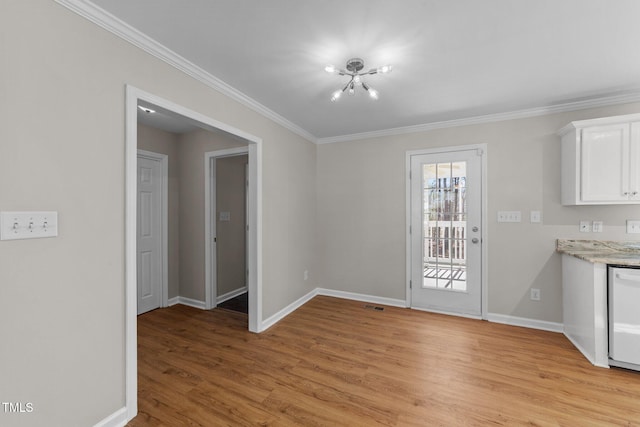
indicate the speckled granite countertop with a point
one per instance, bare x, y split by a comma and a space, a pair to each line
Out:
601, 251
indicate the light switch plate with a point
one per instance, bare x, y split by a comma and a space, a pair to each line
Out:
596, 226
509, 216
225, 216
535, 217
28, 225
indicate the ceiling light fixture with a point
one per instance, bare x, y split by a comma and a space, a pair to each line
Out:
354, 68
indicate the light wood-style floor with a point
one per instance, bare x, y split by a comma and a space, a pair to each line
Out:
335, 363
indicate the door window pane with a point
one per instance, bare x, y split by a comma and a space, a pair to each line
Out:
444, 226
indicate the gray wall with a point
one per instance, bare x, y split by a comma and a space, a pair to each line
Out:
62, 140
159, 141
193, 145
186, 207
231, 243
361, 211
62, 98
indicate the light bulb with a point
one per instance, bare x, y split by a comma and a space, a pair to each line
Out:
336, 95
384, 69
356, 79
330, 69
352, 90
373, 93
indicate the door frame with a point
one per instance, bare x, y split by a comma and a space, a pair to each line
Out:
132, 96
164, 222
210, 250
484, 300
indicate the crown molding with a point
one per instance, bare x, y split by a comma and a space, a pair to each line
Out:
489, 118
104, 19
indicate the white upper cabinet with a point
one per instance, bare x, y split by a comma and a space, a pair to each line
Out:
601, 161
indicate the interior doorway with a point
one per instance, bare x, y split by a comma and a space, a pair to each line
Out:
152, 230
253, 145
226, 213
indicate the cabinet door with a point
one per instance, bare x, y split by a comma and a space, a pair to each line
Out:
605, 163
634, 162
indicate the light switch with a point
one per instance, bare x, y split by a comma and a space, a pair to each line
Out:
28, 225
596, 226
535, 217
509, 216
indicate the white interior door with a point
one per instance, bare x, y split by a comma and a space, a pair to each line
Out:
446, 237
149, 239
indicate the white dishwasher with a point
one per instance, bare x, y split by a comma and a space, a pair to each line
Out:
624, 317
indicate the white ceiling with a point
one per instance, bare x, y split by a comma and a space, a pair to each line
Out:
452, 59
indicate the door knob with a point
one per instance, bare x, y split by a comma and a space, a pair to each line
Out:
475, 240
475, 229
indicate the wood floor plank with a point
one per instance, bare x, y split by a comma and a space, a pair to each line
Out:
336, 363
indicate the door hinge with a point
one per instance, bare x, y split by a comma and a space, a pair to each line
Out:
410, 284
479, 152
215, 240
409, 229
410, 175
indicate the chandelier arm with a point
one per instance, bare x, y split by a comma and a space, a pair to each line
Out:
372, 71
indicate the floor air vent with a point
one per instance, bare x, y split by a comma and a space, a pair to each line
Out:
373, 307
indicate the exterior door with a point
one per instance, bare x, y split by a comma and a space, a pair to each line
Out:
149, 238
446, 237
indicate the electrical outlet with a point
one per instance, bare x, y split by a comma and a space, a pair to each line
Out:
585, 226
596, 226
633, 226
535, 294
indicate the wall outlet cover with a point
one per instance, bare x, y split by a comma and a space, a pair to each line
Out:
633, 226
535, 294
585, 226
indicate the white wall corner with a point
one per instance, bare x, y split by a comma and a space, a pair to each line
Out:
230, 295
191, 302
267, 323
117, 419
525, 322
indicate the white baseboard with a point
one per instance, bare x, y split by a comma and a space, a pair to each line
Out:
117, 419
448, 313
361, 297
585, 353
232, 294
525, 322
267, 323
187, 301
